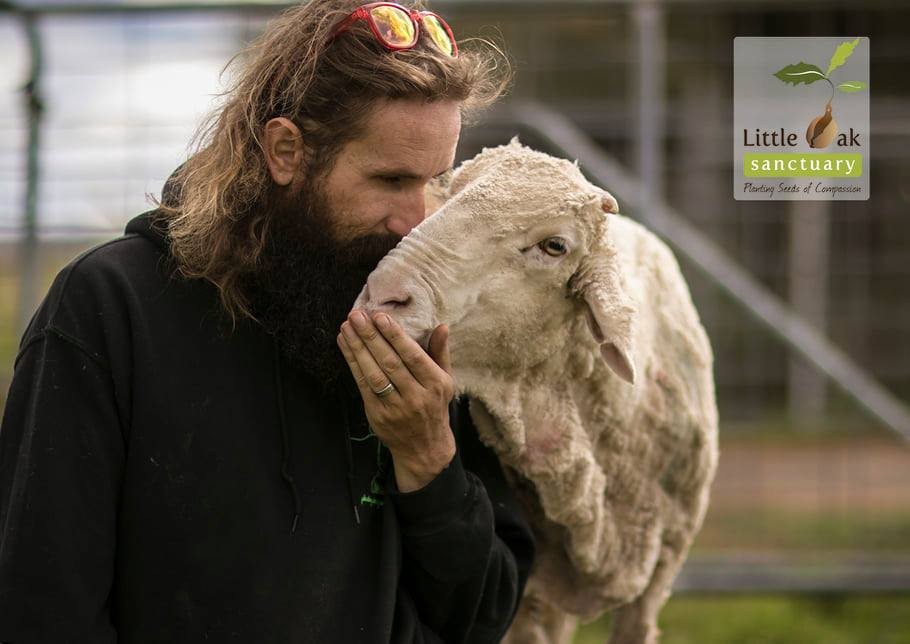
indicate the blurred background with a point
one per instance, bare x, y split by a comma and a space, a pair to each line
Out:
807, 303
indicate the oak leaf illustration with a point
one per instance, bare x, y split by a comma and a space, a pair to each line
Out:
800, 73
851, 86
841, 54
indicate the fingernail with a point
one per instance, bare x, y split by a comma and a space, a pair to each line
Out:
383, 320
359, 318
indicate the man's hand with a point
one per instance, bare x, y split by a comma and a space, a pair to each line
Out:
413, 420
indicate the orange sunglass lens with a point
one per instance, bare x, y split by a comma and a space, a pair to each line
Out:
394, 25
438, 34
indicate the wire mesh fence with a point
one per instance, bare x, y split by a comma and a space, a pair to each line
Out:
805, 475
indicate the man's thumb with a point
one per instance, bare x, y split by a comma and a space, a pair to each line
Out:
439, 348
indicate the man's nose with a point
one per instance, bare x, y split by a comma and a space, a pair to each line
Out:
410, 214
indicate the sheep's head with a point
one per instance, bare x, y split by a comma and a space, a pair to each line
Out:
515, 258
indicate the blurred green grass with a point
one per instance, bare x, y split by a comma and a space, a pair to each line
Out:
835, 619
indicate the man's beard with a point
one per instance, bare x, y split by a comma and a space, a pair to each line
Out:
308, 281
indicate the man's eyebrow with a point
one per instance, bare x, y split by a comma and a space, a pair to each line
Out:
405, 174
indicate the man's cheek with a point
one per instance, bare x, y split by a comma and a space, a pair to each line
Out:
367, 223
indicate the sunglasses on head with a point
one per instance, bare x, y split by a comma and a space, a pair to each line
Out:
397, 27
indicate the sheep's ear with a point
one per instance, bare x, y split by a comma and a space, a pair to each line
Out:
611, 325
608, 203
436, 192
608, 309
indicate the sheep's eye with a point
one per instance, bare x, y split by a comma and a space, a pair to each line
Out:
553, 246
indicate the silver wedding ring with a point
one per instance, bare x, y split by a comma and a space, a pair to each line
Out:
385, 391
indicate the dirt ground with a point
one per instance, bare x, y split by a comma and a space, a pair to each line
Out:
813, 475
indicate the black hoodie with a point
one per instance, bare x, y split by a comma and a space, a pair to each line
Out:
164, 480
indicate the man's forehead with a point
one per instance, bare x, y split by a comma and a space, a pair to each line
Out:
412, 163
408, 143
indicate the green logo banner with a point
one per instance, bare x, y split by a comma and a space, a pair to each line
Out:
809, 164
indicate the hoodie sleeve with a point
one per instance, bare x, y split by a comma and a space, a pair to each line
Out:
61, 459
467, 548
61, 456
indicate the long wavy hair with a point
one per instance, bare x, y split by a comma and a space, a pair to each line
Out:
208, 208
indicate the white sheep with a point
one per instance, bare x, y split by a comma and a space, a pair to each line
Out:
574, 335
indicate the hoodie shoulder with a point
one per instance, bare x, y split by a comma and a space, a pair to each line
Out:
97, 289
150, 226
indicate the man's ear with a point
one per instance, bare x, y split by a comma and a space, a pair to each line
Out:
283, 150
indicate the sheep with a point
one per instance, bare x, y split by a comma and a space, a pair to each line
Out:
589, 375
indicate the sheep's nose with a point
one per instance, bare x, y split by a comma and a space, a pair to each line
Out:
388, 294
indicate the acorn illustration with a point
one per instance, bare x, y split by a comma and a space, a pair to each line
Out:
822, 129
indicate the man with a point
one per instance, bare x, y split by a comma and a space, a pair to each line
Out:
168, 477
